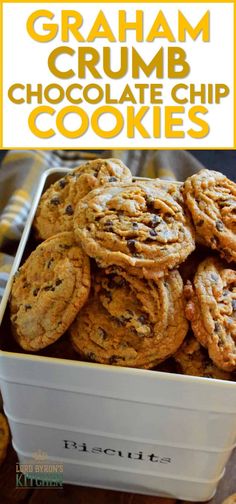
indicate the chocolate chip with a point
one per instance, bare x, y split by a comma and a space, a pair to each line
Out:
91, 356
152, 232
121, 321
55, 201
120, 282
150, 202
28, 307
108, 295
219, 225
128, 315
200, 222
49, 288
64, 246
69, 210
132, 246
217, 326
62, 183
114, 359
111, 283
154, 221
135, 225
50, 262
102, 333
35, 291
143, 319
215, 240
234, 304
58, 281
112, 179
108, 226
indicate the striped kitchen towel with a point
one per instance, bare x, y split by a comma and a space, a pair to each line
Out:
20, 172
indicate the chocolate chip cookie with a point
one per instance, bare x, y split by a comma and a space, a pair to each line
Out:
193, 360
211, 308
131, 321
48, 291
56, 207
231, 499
138, 225
4, 437
211, 199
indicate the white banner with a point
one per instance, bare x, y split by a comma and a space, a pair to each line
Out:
118, 75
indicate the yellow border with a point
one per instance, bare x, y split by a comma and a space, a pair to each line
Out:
115, 1
117, 147
1, 77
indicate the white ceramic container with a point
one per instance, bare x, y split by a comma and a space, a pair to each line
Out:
127, 429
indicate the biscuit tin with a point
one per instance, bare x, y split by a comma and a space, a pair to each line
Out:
126, 429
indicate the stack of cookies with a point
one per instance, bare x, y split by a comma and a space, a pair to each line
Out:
109, 271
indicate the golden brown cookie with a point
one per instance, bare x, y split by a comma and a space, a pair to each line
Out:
4, 437
231, 499
56, 207
137, 225
211, 308
193, 360
211, 199
48, 291
174, 189
131, 321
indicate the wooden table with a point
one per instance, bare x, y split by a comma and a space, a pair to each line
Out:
9, 494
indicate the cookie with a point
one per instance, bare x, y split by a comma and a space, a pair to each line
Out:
211, 308
48, 291
174, 189
56, 207
131, 321
4, 437
211, 199
193, 360
230, 500
138, 225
